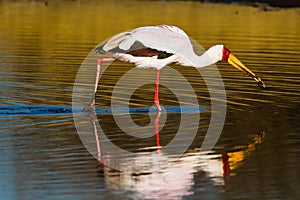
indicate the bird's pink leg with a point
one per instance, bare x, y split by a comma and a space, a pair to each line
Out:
156, 100
99, 62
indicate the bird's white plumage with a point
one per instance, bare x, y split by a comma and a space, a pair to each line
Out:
115, 41
170, 39
158, 38
146, 62
165, 38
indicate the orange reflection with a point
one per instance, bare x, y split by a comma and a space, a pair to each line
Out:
234, 160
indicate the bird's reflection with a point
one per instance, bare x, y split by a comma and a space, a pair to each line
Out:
154, 174
234, 160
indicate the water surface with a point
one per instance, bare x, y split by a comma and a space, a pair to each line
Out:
42, 156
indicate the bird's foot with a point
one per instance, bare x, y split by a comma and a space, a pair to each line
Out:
90, 106
158, 106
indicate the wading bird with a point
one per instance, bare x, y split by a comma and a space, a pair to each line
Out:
157, 46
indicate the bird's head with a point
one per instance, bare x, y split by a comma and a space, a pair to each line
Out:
225, 55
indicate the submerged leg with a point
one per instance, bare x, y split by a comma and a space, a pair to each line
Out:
156, 126
99, 62
156, 100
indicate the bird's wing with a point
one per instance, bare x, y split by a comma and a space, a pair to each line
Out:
115, 41
165, 38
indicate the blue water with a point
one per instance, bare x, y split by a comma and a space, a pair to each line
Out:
11, 111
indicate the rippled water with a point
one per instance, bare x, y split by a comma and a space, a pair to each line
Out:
42, 46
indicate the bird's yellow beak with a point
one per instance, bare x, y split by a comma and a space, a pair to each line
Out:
240, 66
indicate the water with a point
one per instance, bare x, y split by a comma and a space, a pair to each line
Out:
42, 156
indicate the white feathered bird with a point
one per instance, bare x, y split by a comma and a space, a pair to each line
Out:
157, 46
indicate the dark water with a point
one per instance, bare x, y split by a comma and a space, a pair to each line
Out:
42, 156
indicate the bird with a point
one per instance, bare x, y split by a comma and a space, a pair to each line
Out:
158, 46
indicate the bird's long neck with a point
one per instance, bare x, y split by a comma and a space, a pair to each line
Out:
209, 57
202, 61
